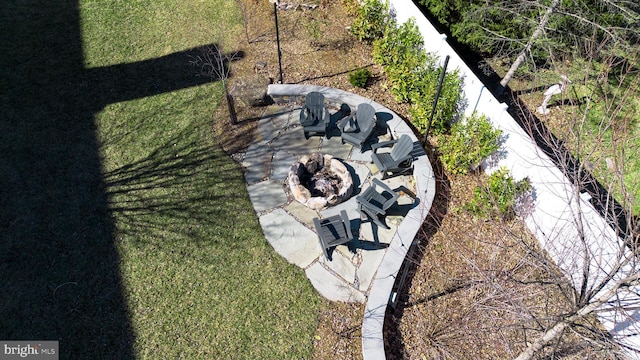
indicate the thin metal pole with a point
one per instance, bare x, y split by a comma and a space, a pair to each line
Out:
435, 100
275, 12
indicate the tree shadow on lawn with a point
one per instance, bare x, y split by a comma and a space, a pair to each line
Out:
59, 265
177, 189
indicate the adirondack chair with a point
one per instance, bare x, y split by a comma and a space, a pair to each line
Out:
357, 129
333, 231
374, 203
396, 162
314, 116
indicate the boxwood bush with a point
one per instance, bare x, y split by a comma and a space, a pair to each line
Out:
470, 141
413, 75
359, 77
371, 20
497, 199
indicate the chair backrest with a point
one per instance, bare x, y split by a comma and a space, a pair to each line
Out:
314, 102
366, 117
313, 99
402, 148
316, 112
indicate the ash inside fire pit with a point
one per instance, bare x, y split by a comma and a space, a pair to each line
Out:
319, 180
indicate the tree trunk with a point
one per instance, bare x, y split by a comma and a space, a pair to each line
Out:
536, 34
558, 328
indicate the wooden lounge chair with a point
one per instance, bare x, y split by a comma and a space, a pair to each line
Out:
374, 203
314, 116
358, 128
333, 231
396, 162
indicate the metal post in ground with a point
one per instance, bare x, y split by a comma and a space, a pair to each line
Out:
435, 100
275, 13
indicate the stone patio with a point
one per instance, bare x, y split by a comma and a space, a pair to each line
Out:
288, 225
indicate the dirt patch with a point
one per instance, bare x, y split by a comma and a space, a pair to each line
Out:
339, 336
317, 49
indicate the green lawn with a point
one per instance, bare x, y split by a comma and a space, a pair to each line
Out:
126, 231
597, 123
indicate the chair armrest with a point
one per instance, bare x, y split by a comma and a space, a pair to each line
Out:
363, 202
376, 146
342, 122
347, 223
379, 182
303, 115
316, 223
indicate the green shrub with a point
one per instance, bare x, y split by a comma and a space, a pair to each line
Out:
371, 21
403, 59
352, 7
315, 28
359, 77
448, 103
413, 76
471, 141
497, 199
401, 47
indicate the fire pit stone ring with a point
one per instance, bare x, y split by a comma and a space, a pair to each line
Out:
318, 181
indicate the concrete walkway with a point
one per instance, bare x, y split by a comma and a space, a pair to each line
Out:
364, 270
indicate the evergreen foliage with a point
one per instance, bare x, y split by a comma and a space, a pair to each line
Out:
413, 75
471, 141
359, 77
371, 20
498, 198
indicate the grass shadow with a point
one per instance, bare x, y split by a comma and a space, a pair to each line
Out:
60, 265
157, 194
60, 269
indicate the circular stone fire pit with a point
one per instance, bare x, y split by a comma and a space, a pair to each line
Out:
319, 180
